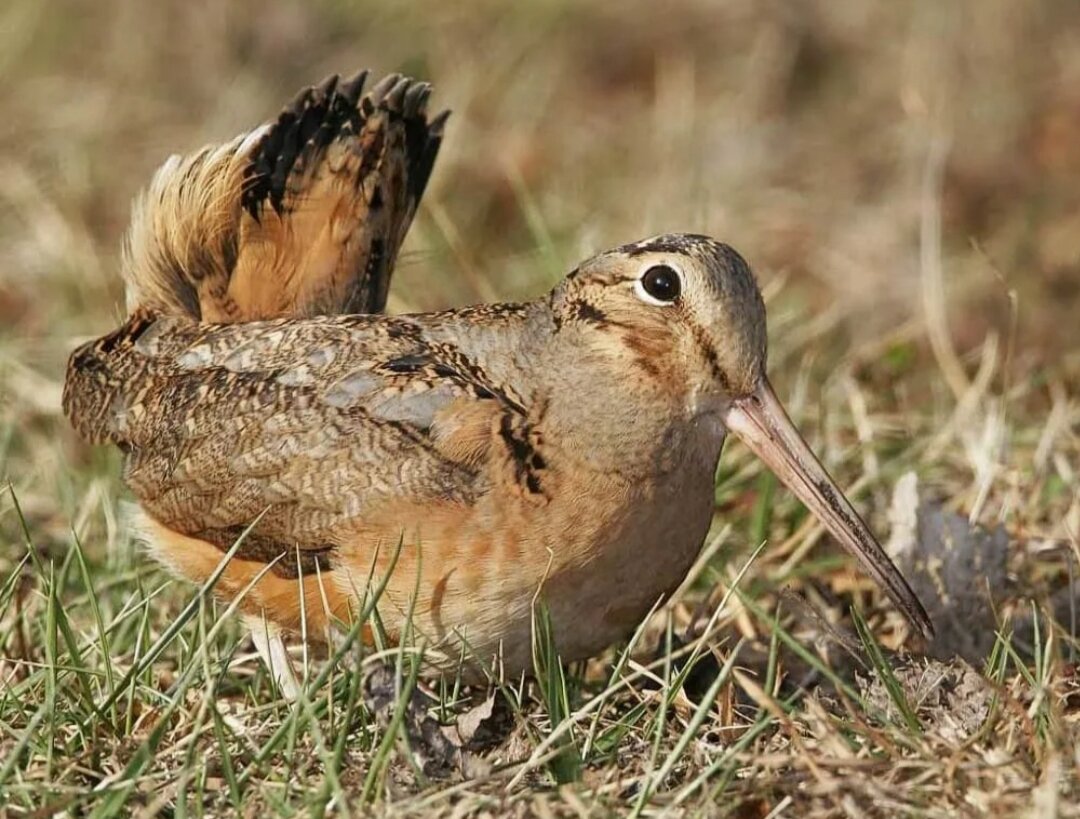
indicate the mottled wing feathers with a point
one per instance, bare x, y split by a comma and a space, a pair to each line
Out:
301, 217
312, 424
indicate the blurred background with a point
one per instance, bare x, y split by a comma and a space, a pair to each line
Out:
904, 177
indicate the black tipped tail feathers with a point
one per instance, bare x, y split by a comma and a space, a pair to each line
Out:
303, 216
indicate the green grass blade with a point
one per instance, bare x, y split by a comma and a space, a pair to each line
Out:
885, 673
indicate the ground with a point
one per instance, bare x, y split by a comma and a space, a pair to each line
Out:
902, 177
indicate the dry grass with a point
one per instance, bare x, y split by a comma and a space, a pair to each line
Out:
904, 179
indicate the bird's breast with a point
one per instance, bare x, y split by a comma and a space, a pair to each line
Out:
599, 549
640, 542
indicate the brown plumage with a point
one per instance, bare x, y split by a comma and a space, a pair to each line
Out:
301, 217
563, 447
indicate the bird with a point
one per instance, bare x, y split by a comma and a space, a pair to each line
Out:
461, 464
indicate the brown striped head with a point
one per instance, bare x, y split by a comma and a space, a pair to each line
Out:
683, 309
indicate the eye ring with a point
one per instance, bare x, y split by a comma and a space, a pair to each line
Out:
659, 285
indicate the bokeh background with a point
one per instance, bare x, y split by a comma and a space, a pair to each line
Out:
904, 177
803, 133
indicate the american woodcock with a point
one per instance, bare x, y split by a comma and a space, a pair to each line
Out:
563, 447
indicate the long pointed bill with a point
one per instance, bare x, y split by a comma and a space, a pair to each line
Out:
763, 424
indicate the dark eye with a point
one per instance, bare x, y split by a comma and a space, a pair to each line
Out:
661, 283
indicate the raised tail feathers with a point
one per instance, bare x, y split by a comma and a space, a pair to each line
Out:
303, 216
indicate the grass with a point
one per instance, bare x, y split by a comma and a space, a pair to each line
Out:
908, 202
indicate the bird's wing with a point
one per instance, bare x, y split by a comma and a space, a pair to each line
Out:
310, 423
300, 217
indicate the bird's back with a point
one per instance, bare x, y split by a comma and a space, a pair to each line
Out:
246, 243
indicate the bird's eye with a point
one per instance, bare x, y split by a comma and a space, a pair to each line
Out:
660, 284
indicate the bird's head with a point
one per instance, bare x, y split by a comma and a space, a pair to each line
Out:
684, 312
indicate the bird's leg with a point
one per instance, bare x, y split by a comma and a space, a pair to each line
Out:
272, 651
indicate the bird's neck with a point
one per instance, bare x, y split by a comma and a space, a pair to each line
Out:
584, 397
610, 414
